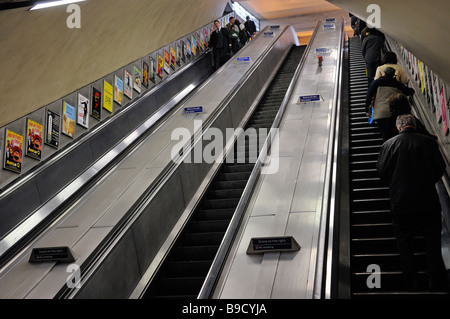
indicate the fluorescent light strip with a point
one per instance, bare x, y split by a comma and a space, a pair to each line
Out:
53, 4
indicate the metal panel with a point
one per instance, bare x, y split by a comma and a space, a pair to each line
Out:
157, 220
119, 273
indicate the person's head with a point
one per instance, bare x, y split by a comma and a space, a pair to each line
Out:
247, 18
232, 20
404, 121
399, 104
389, 72
389, 58
217, 24
370, 31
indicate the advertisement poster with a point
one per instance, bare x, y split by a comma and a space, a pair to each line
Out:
137, 79
202, 40
128, 84
118, 90
206, 38
96, 103
13, 151
52, 129
436, 98
160, 66
34, 139
153, 70
69, 118
83, 111
172, 58
145, 74
422, 77
443, 109
183, 51
178, 55
166, 61
108, 96
194, 46
189, 48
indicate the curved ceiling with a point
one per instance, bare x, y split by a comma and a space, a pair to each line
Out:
419, 25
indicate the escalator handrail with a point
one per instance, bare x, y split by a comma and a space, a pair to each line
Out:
45, 210
96, 259
323, 278
230, 234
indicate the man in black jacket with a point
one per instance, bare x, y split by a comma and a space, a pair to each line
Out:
220, 42
411, 164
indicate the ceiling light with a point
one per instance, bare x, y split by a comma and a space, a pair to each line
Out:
53, 4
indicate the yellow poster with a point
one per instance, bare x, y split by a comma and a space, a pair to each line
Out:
108, 96
34, 139
13, 151
422, 79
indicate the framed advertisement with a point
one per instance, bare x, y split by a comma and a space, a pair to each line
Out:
436, 98
153, 70
178, 60
107, 96
166, 61
194, 46
128, 84
34, 139
52, 128
12, 160
96, 103
137, 79
145, 74
83, 111
183, 51
443, 105
118, 90
188, 49
172, 58
69, 118
160, 66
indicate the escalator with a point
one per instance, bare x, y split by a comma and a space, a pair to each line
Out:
185, 269
372, 238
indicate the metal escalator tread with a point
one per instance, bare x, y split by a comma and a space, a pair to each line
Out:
187, 264
372, 240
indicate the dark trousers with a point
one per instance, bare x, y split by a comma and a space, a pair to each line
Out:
371, 67
406, 227
383, 127
219, 57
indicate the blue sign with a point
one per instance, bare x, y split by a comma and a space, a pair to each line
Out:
310, 98
275, 26
269, 34
243, 59
195, 109
322, 50
329, 26
330, 19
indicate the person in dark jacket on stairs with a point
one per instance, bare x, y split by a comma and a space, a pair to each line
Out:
371, 51
411, 164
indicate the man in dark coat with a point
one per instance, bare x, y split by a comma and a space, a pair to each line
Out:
220, 42
411, 164
250, 26
371, 51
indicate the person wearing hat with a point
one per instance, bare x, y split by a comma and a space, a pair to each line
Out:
378, 95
